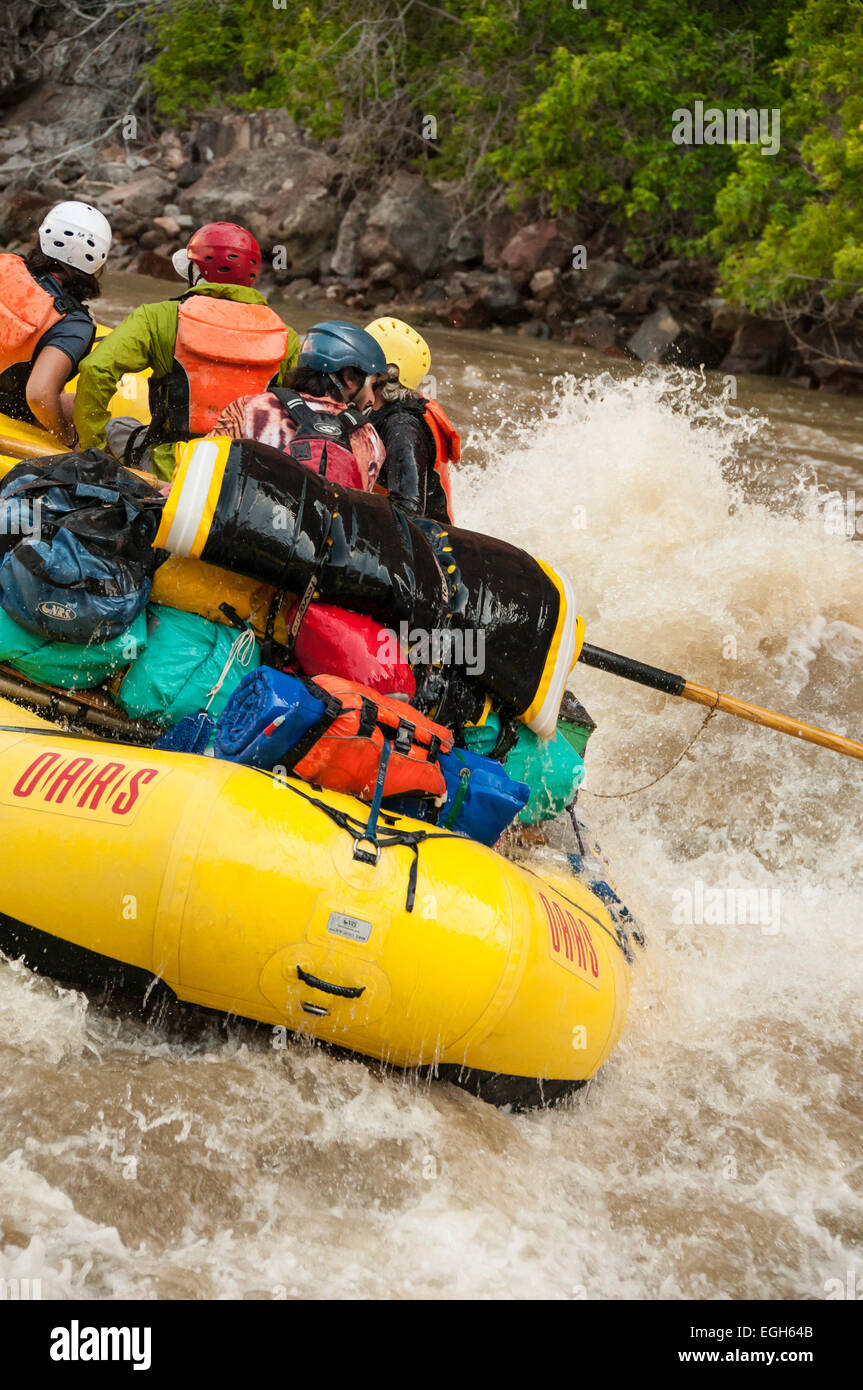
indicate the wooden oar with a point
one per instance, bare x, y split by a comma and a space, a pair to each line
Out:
671, 684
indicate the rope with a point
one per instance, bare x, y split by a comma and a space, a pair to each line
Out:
615, 796
242, 650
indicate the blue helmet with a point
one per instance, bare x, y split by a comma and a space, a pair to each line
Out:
330, 347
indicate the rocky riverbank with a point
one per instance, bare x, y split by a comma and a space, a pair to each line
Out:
400, 243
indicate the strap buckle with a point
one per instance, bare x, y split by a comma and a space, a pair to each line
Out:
363, 855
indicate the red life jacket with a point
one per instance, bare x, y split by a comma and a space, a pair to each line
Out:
224, 348
323, 438
447, 446
343, 751
26, 312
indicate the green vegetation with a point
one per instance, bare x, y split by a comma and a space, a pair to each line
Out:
573, 107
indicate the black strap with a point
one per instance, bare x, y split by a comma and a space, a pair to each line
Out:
369, 835
386, 836
333, 707
506, 739
310, 421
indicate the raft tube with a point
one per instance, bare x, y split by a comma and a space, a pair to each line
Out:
238, 892
251, 509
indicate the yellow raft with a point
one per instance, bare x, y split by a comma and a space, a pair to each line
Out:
239, 892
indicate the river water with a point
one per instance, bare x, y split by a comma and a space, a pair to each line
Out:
718, 1154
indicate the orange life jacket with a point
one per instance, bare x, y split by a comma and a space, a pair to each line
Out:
447, 446
343, 752
26, 312
224, 349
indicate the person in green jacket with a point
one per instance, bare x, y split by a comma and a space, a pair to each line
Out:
217, 341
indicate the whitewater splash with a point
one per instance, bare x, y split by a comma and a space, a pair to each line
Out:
718, 1153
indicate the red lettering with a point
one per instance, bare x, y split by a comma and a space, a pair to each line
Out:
121, 806
98, 785
32, 776
582, 954
552, 925
63, 782
564, 931
594, 961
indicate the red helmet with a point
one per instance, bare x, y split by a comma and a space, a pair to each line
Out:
225, 254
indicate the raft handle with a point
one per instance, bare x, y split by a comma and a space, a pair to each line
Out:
343, 991
363, 855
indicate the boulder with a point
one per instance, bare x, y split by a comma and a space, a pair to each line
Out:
640, 299
545, 245
464, 245
838, 378
408, 224
345, 259
665, 339
271, 192
543, 285
305, 223
496, 292
607, 279
470, 311
20, 214
155, 262
759, 346
726, 320
168, 225
140, 197
598, 331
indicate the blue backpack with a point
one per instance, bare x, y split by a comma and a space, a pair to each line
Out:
76, 534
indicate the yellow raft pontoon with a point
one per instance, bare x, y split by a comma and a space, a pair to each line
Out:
239, 892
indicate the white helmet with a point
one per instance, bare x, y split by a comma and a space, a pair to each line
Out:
76, 234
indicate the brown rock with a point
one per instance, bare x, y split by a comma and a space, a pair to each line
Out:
282, 195
21, 213
543, 284
760, 347
665, 339
640, 299
726, 320
155, 263
546, 245
607, 279
469, 312
597, 330
168, 225
139, 197
838, 378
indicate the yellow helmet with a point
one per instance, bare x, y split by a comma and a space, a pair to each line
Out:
403, 346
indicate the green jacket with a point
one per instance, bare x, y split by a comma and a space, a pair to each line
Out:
146, 339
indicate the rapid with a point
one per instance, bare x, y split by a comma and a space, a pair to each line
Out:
718, 1153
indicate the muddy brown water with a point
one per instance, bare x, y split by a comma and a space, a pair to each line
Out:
718, 1154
